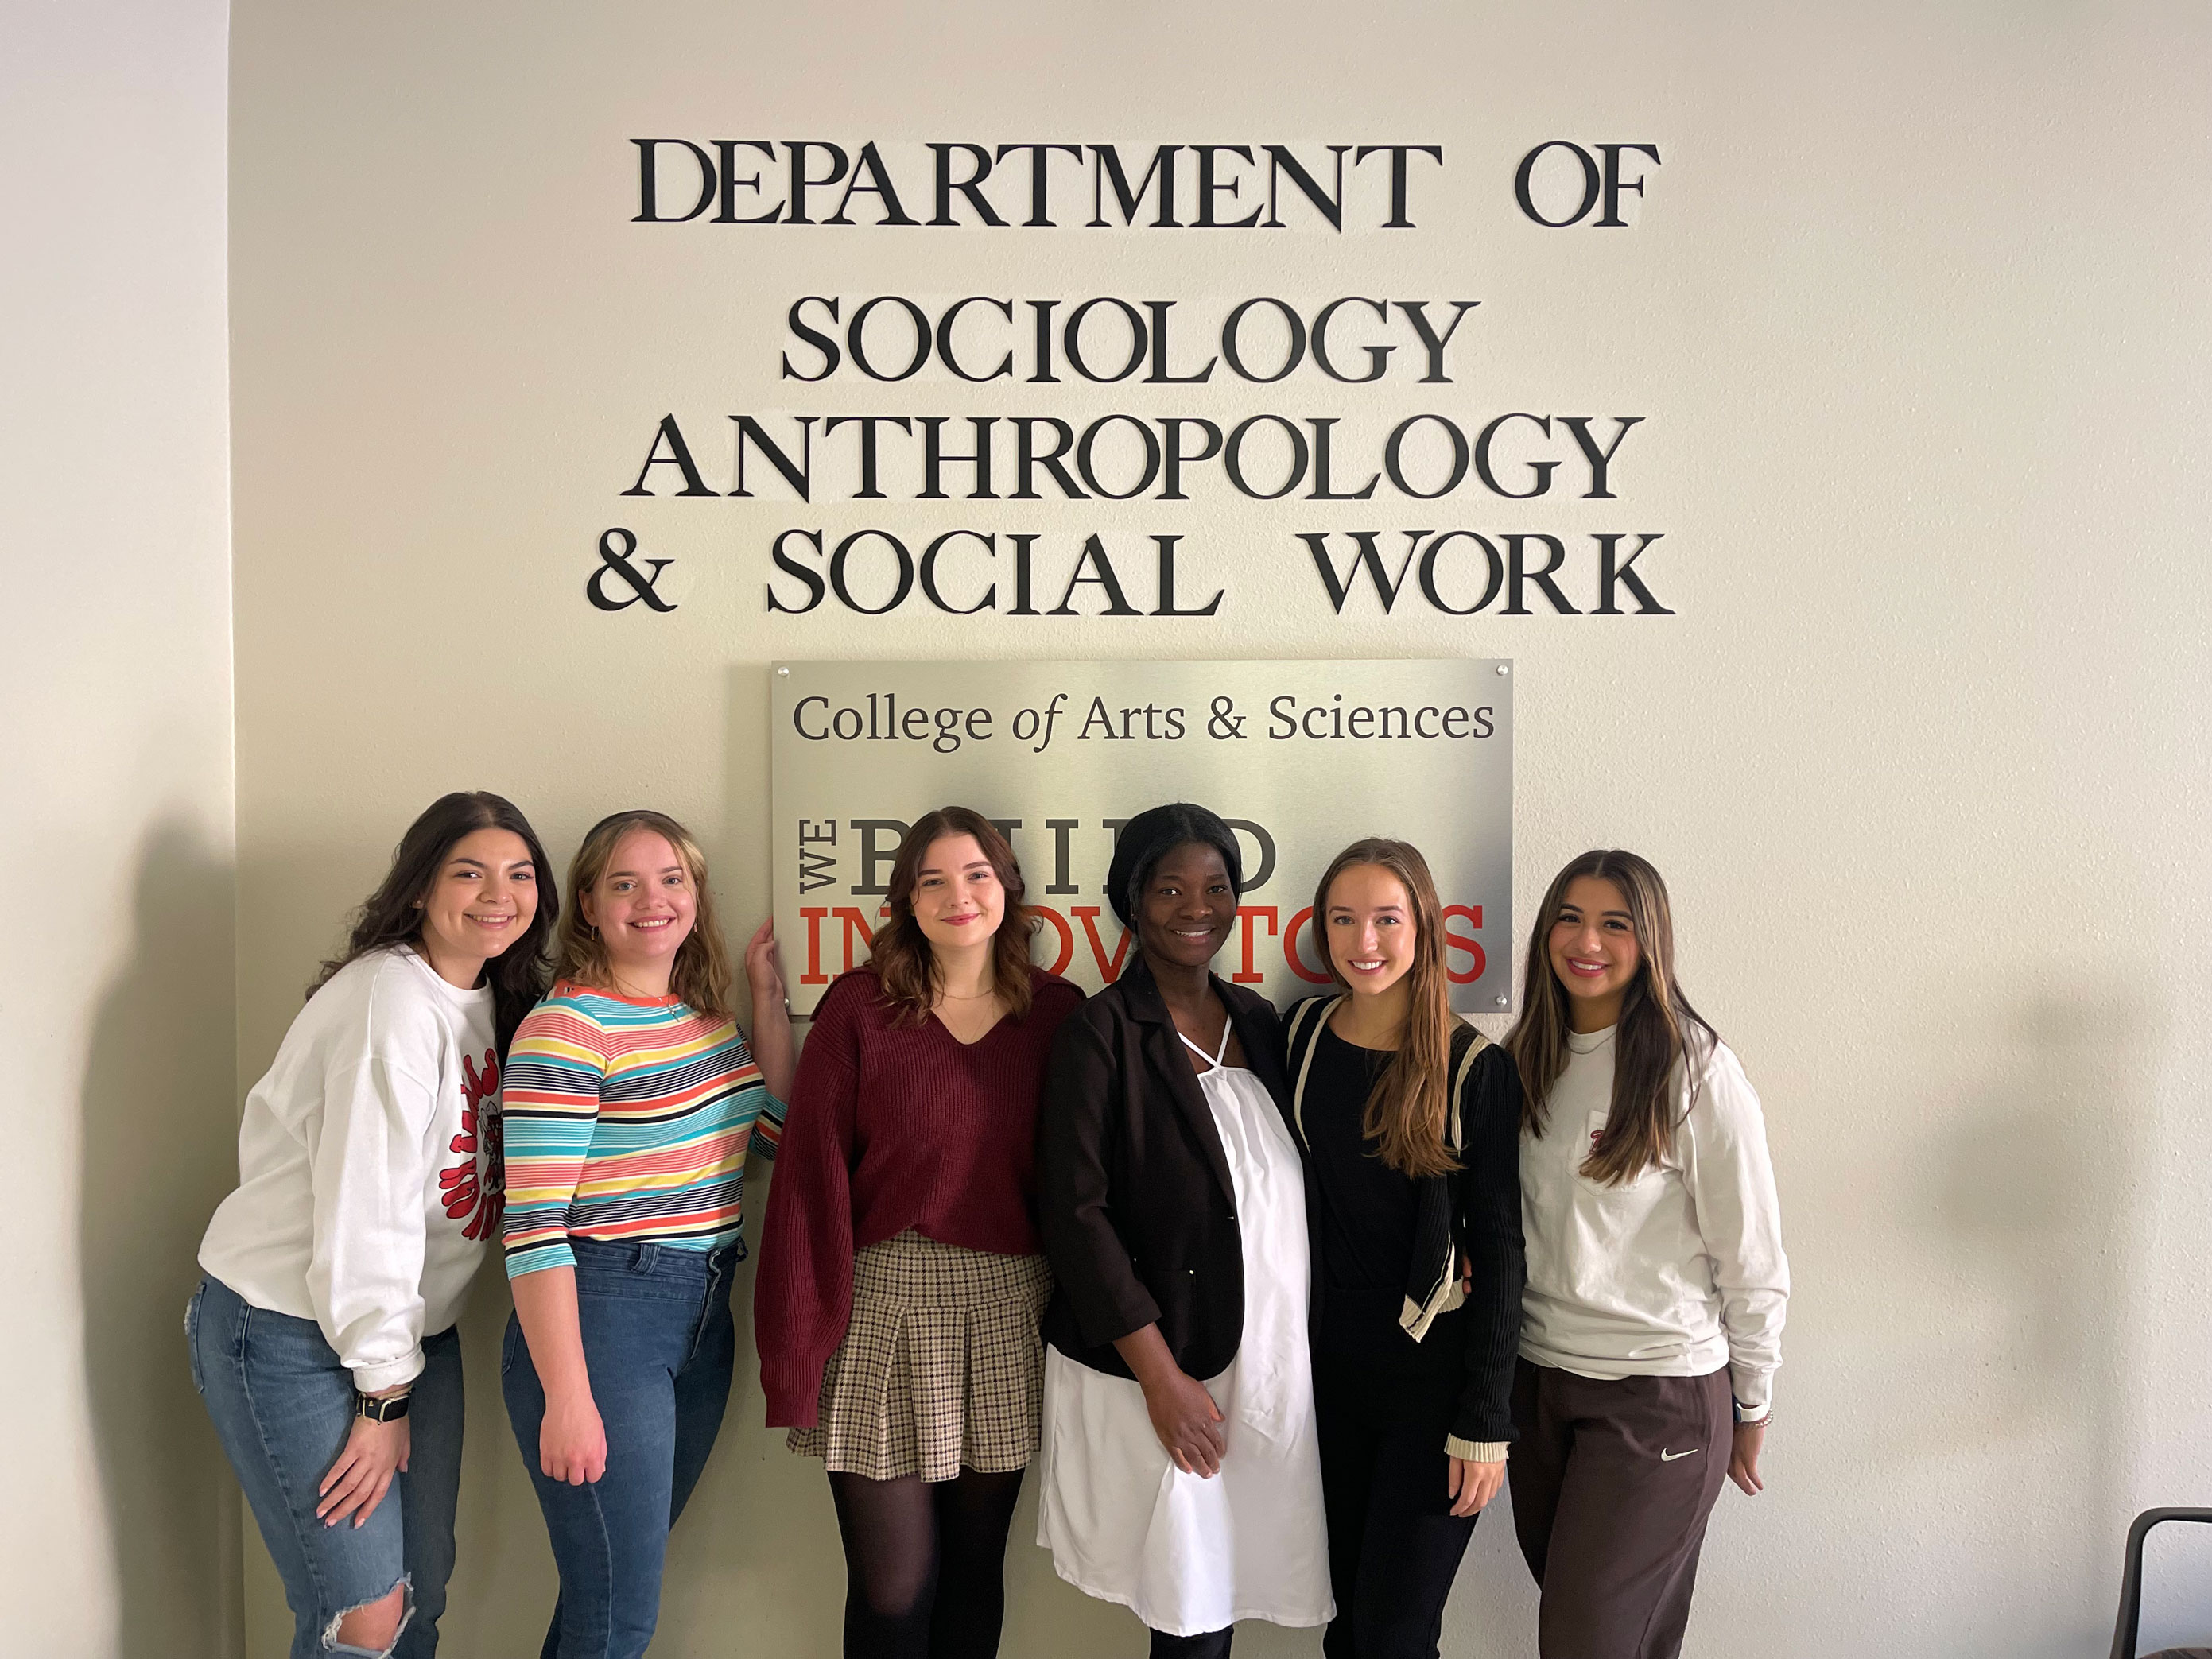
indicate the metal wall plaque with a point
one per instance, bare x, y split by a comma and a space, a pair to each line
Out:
1301, 757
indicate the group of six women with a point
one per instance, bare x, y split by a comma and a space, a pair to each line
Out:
1269, 1298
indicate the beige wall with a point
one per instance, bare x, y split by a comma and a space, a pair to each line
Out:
1916, 313
119, 1533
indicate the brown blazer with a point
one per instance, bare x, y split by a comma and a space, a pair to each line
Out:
1135, 1203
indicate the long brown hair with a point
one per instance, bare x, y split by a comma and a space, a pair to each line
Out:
700, 974
899, 952
392, 915
1412, 1099
1657, 1028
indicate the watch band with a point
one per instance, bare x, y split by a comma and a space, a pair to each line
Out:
381, 1411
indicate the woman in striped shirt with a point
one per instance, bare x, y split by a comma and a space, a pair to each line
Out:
631, 1100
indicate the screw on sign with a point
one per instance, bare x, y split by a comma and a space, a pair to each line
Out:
615, 561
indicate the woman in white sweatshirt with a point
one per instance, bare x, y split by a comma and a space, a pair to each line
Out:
1652, 1319
369, 1188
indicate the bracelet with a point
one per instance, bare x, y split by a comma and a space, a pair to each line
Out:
1754, 1423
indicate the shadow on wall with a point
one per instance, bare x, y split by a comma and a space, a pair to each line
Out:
2033, 1194
160, 1137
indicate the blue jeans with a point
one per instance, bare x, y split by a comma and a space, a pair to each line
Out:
659, 1346
282, 1407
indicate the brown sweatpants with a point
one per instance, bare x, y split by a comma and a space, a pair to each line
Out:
1611, 1483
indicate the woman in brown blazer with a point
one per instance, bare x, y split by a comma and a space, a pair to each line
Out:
1180, 1473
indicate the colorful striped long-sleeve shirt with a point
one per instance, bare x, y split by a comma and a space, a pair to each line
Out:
627, 1121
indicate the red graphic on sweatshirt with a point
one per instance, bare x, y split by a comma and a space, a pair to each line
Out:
475, 1186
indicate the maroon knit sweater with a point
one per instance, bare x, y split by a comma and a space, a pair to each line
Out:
892, 1127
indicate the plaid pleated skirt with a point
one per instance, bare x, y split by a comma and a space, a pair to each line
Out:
941, 1366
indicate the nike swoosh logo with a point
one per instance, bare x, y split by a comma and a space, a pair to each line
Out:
1669, 1457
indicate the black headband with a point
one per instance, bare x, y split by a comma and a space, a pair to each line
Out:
1151, 837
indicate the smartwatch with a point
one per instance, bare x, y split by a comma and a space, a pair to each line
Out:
379, 1411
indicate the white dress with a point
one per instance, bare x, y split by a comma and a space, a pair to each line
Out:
1188, 1555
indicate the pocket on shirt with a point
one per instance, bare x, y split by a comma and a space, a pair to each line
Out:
1593, 1128
1638, 1187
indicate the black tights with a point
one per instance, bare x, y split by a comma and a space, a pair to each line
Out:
925, 1564
1211, 1645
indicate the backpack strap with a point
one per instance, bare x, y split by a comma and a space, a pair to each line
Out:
1305, 1027
1471, 1043
1443, 1293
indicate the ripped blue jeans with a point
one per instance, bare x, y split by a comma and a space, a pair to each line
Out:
282, 1406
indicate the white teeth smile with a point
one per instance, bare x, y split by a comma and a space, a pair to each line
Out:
655, 921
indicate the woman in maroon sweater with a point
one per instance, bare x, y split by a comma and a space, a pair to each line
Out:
902, 1278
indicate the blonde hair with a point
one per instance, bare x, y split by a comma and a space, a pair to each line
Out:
1412, 1099
700, 975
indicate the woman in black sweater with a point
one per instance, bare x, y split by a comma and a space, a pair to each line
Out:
1411, 1123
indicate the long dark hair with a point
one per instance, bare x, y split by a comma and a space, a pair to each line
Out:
1406, 1110
899, 952
392, 915
700, 975
1657, 1029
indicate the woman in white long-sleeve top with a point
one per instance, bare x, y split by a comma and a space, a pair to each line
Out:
369, 1188
1657, 1281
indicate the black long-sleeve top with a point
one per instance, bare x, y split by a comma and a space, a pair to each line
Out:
1366, 1222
